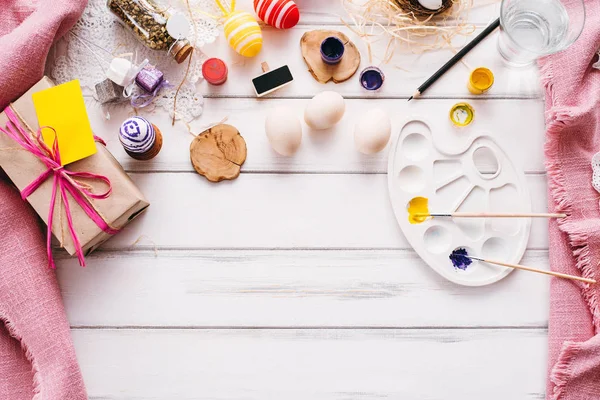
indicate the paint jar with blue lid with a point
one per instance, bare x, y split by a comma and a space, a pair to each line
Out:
332, 50
372, 78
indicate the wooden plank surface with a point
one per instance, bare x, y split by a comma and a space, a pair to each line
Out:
517, 126
402, 76
278, 211
312, 364
294, 281
250, 288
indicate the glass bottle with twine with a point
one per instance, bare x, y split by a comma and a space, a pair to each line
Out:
156, 28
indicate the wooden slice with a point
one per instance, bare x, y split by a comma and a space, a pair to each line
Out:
323, 73
218, 153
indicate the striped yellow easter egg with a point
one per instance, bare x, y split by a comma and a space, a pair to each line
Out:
243, 33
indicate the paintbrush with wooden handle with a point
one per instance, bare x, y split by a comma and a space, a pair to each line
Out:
461, 259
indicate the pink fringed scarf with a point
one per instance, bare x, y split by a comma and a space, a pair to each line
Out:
573, 137
37, 360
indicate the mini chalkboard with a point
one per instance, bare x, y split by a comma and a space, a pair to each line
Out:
270, 81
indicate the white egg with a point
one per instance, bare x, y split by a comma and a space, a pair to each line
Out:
284, 130
431, 4
324, 110
372, 132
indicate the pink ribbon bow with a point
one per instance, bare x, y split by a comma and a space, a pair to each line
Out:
63, 181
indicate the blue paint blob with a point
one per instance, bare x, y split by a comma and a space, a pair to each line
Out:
460, 259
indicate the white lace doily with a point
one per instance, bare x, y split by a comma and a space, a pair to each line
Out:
98, 36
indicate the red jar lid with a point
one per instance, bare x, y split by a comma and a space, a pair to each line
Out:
214, 71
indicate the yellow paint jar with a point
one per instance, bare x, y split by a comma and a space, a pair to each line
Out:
480, 80
462, 114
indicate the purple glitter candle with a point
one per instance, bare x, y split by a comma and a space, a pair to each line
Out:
332, 50
372, 78
149, 78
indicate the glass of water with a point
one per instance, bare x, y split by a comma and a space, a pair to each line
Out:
533, 28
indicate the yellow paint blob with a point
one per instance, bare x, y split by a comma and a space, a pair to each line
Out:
418, 210
480, 80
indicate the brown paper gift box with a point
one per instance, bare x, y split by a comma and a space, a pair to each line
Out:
22, 167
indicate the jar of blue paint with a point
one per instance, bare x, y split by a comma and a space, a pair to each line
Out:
332, 50
371, 78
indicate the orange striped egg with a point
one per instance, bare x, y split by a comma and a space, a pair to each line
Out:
282, 14
243, 33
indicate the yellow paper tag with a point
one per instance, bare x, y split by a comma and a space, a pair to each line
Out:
62, 108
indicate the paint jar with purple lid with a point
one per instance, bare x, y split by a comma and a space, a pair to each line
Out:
332, 50
371, 78
149, 78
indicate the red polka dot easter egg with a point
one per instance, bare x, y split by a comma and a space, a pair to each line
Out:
282, 14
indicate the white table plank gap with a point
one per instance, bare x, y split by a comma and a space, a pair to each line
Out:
278, 211
517, 126
291, 288
312, 364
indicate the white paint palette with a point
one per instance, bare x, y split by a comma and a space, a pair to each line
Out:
459, 169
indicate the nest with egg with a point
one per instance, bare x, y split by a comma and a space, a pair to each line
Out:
424, 8
412, 26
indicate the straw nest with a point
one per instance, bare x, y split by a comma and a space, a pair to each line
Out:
407, 25
415, 8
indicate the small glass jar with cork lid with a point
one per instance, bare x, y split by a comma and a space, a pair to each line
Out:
155, 27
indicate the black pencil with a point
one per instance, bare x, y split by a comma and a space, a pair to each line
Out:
456, 58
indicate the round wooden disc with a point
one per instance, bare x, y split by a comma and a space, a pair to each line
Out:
310, 45
218, 153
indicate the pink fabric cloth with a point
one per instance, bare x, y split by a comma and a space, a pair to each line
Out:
573, 137
27, 31
37, 359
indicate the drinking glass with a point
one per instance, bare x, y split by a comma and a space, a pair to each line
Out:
533, 28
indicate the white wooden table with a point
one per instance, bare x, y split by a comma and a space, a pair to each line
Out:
294, 281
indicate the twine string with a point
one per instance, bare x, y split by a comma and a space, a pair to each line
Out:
187, 70
142, 237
